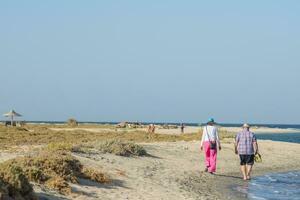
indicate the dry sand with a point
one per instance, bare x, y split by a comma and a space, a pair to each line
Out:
174, 171
258, 130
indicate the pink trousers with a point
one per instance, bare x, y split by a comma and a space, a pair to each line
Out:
210, 158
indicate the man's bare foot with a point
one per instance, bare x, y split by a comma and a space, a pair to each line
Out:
245, 179
248, 178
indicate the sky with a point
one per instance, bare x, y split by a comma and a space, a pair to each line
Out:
159, 60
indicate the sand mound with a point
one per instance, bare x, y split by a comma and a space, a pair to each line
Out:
118, 147
53, 169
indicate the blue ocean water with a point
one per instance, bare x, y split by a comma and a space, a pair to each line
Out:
283, 137
281, 186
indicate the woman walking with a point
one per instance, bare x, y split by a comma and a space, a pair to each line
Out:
210, 143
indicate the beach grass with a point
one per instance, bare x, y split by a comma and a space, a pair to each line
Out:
114, 146
14, 183
44, 135
55, 170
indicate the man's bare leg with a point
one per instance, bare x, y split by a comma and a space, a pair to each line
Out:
244, 171
249, 169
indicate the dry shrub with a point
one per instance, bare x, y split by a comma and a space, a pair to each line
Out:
95, 175
54, 170
21, 129
59, 184
120, 148
62, 146
46, 165
50, 169
66, 147
14, 184
72, 122
42, 134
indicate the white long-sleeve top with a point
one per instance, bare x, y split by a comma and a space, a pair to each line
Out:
210, 133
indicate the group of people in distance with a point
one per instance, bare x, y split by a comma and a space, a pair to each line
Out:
151, 128
245, 146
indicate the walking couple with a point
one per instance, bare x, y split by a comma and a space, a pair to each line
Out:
245, 146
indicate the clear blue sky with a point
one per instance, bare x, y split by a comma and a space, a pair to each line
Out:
236, 61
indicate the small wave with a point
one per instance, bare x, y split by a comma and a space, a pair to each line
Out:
255, 197
273, 186
271, 178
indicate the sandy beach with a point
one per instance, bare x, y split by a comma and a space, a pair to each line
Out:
188, 129
171, 170
257, 130
175, 171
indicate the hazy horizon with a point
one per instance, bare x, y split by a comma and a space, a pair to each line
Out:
169, 61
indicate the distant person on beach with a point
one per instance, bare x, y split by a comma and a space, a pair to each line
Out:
151, 130
246, 147
182, 128
210, 143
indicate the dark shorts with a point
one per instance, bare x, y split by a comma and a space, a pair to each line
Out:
247, 159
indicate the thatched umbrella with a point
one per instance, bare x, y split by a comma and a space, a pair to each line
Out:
12, 114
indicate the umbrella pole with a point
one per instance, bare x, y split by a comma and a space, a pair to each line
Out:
12, 120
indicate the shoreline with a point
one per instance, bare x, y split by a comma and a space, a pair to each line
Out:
270, 165
232, 185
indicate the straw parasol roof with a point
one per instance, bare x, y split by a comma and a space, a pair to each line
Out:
12, 114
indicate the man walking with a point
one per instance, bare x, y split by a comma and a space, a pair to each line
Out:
246, 146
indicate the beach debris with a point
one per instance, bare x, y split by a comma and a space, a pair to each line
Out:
168, 126
122, 125
129, 125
